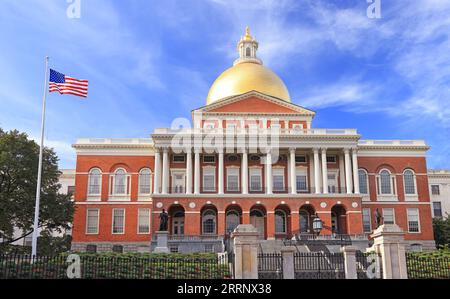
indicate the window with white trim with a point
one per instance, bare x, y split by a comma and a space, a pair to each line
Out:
209, 179
385, 183
413, 220
94, 181
363, 181
232, 179
332, 182
278, 179
120, 182
409, 180
143, 221
331, 159
145, 181
92, 221
367, 222
300, 159
435, 190
437, 209
118, 225
301, 178
255, 179
209, 159
179, 158
388, 216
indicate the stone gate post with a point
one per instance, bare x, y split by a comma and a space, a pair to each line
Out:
245, 242
350, 262
389, 242
288, 262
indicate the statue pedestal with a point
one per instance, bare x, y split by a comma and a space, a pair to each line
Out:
161, 242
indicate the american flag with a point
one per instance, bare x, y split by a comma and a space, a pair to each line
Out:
67, 85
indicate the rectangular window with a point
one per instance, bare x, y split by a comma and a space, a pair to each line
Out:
255, 180
179, 158
92, 217
413, 220
70, 190
437, 209
388, 216
209, 180
233, 179
332, 183
278, 179
118, 226
144, 221
363, 188
209, 159
300, 159
302, 181
435, 190
367, 224
331, 159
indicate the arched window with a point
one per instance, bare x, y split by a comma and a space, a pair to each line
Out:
94, 181
145, 181
385, 182
409, 182
280, 221
233, 220
363, 182
209, 222
247, 52
304, 221
120, 181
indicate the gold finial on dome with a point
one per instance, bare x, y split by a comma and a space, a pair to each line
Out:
247, 74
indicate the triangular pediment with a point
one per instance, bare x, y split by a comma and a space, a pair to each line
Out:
255, 103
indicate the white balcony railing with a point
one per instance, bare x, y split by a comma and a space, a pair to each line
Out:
300, 132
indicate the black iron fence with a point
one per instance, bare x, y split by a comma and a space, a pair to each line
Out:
270, 266
427, 266
368, 265
112, 267
319, 265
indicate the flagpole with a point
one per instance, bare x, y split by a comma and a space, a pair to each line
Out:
41, 149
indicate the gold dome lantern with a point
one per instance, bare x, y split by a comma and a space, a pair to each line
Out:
247, 74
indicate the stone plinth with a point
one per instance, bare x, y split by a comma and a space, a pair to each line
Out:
288, 262
161, 242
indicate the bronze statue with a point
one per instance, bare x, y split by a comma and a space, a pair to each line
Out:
163, 220
378, 217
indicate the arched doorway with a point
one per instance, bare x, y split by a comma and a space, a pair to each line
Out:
176, 220
233, 217
258, 219
209, 220
338, 219
282, 221
306, 214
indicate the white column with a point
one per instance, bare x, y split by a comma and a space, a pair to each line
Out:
165, 172
355, 170
188, 171
269, 173
157, 171
348, 171
324, 171
244, 172
293, 172
316, 170
221, 180
197, 172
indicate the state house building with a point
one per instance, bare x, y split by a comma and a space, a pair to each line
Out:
122, 185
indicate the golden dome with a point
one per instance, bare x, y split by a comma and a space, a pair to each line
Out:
246, 75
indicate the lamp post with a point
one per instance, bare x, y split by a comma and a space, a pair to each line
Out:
317, 225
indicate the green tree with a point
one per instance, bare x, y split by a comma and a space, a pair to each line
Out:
441, 228
19, 158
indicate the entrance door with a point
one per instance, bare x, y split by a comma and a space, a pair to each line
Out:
257, 220
178, 224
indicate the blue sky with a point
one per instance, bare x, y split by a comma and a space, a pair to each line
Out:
149, 62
